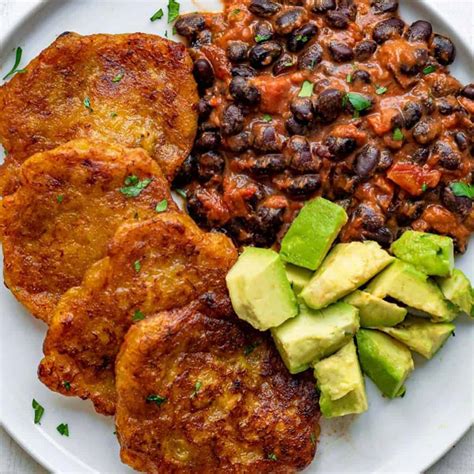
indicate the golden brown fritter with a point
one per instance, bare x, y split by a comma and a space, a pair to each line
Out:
151, 266
68, 206
204, 392
136, 90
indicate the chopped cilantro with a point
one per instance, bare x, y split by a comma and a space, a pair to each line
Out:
63, 429
67, 385
260, 38
462, 189
380, 90
158, 399
162, 206
181, 192
158, 15
138, 315
306, 89
349, 78
173, 10
267, 118
137, 265
358, 101
133, 186
272, 456
118, 77
113, 114
398, 135
60, 198
14, 69
429, 69
302, 38
87, 104
424, 187
197, 387
39, 411
236, 11
312, 438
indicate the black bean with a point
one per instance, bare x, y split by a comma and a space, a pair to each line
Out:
239, 143
302, 109
468, 91
190, 25
209, 140
362, 76
412, 113
209, 164
284, 63
294, 127
366, 161
203, 72
264, 54
202, 38
298, 38
204, 108
310, 58
321, 6
340, 52
244, 92
421, 155
264, 8
265, 138
186, 172
365, 49
386, 29
263, 31
447, 157
385, 160
302, 159
459, 204
425, 131
237, 51
267, 224
340, 147
337, 19
328, 105
461, 141
419, 31
243, 71
232, 120
384, 6
370, 219
289, 20
421, 58
303, 186
382, 235
268, 164
444, 106
349, 8
443, 49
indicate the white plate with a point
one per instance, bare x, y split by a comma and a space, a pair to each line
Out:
404, 435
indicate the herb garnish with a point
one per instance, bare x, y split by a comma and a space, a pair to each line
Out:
67, 385
138, 315
462, 189
158, 15
260, 38
133, 186
380, 90
358, 101
267, 118
14, 69
60, 198
302, 38
158, 399
162, 206
118, 77
272, 456
137, 265
113, 114
197, 387
173, 10
87, 104
349, 78
424, 187
181, 192
306, 89
312, 438
236, 11
429, 69
398, 135
63, 429
39, 411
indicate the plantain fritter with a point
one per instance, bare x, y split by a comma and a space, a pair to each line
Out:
153, 265
200, 391
68, 205
136, 90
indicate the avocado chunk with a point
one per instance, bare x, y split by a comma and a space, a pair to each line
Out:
386, 361
259, 289
430, 253
457, 289
347, 267
312, 233
375, 312
315, 334
420, 335
341, 383
298, 277
405, 283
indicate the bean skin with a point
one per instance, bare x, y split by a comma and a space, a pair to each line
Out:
444, 50
337, 19
459, 204
264, 8
264, 54
412, 113
340, 52
294, 127
362, 76
190, 25
322, 6
243, 92
384, 6
302, 109
239, 143
284, 63
386, 29
365, 49
209, 164
419, 31
265, 138
468, 91
243, 71
237, 51
461, 140
340, 147
425, 131
232, 121
385, 160
310, 58
366, 161
204, 109
209, 140
328, 105
298, 38
289, 20
203, 72
186, 172
304, 186
268, 164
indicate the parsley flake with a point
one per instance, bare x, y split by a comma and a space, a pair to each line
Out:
272, 456
39, 411
429, 69
87, 104
197, 387
60, 198
358, 101
398, 135
138, 315
162, 206
261, 38
462, 189
302, 38
236, 11
380, 90
306, 89
267, 118
14, 69
113, 114
158, 399
158, 15
349, 78
67, 385
118, 77
173, 10
133, 186
424, 187
63, 429
181, 192
137, 265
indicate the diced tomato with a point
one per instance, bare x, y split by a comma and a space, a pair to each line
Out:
413, 178
381, 122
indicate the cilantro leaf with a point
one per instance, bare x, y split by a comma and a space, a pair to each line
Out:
162, 206
87, 104
267, 118
181, 192
133, 186
380, 90
462, 189
429, 69
261, 38
63, 429
39, 411
158, 399
67, 385
14, 69
60, 198
173, 10
138, 315
272, 457
197, 387
158, 15
358, 101
118, 77
306, 89
398, 135
137, 265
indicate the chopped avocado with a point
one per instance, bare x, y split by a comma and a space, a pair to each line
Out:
298, 277
457, 289
430, 253
259, 289
386, 361
420, 335
347, 267
312, 233
373, 311
315, 334
341, 383
405, 283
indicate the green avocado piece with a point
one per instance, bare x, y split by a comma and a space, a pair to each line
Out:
347, 267
405, 283
312, 233
420, 335
373, 311
341, 383
259, 289
386, 361
430, 253
457, 289
315, 334
298, 277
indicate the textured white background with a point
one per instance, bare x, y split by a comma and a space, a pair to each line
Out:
460, 460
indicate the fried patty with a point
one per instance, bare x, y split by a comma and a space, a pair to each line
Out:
200, 391
136, 90
154, 265
69, 203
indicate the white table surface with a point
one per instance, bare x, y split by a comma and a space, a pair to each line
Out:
459, 460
